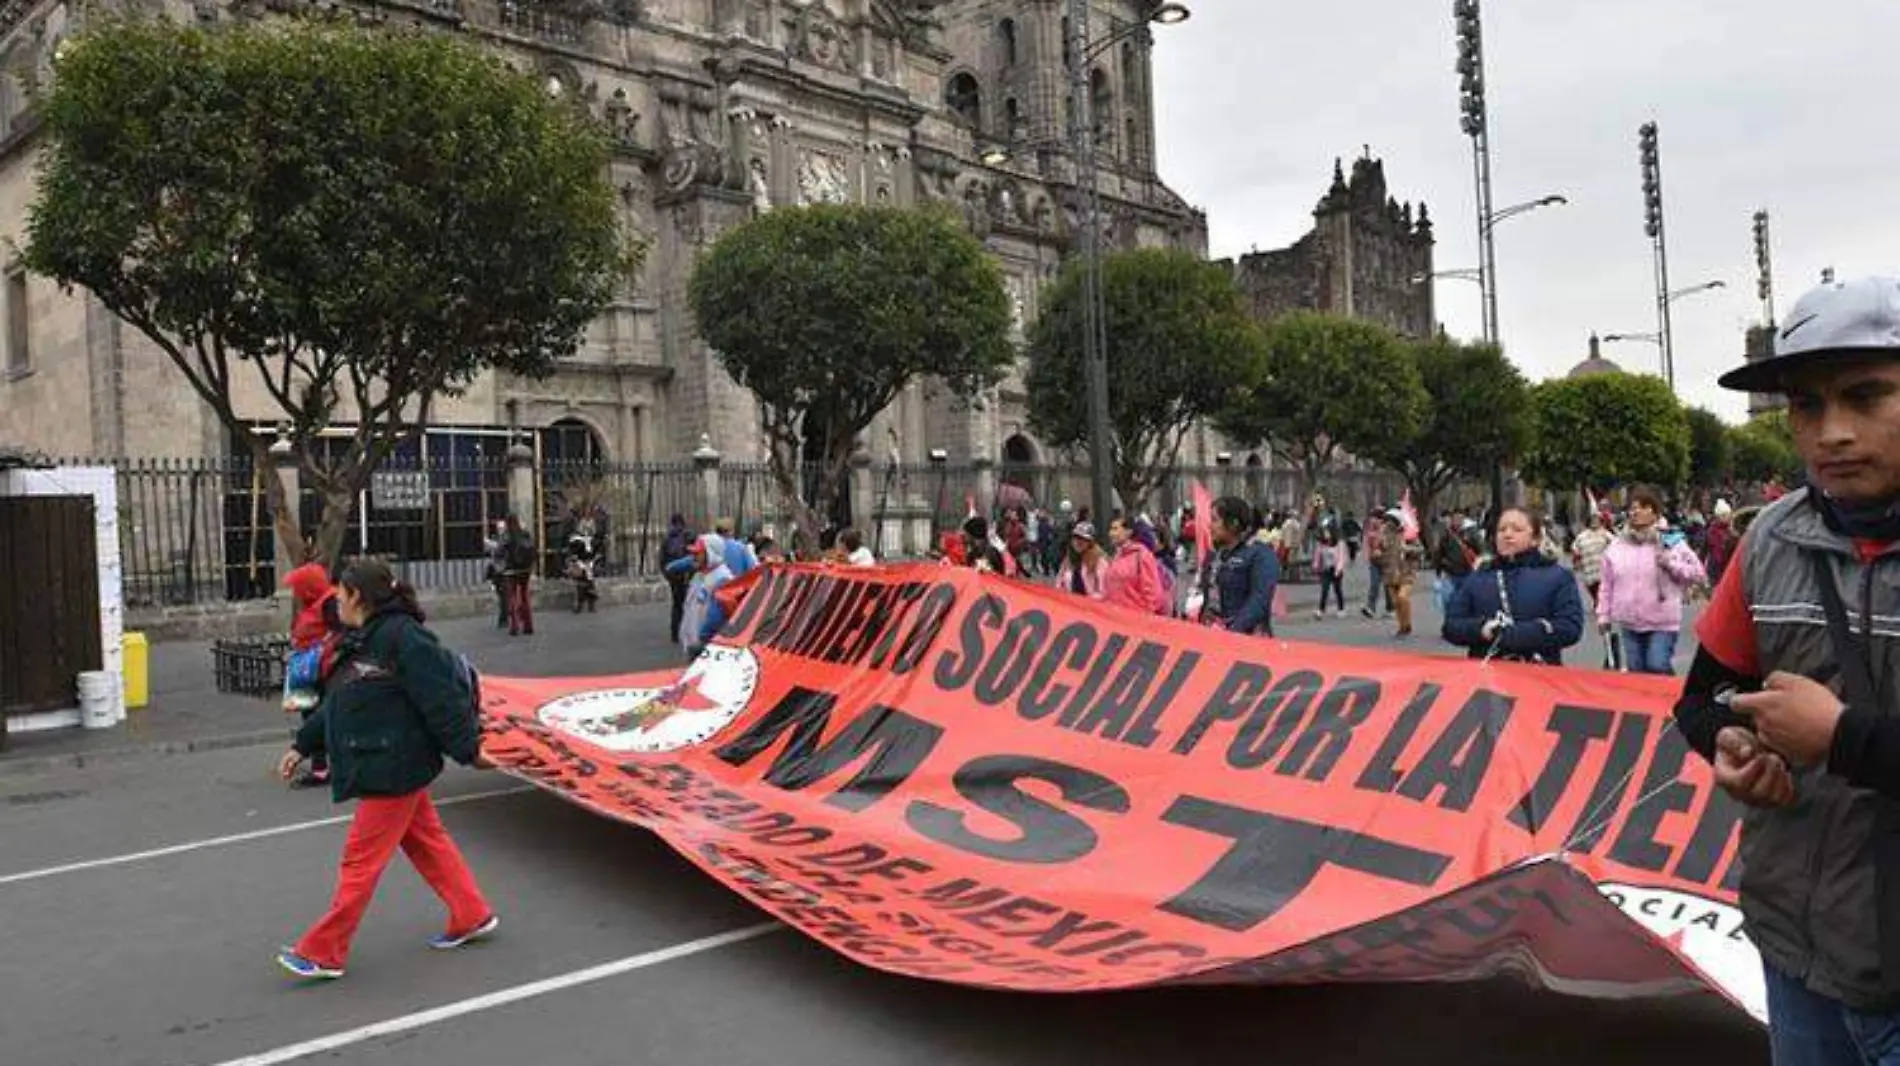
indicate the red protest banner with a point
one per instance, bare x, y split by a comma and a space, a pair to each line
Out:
954, 776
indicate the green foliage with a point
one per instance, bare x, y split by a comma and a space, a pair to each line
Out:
1605, 430
1324, 384
1709, 449
826, 314
1178, 341
1763, 449
1478, 416
367, 220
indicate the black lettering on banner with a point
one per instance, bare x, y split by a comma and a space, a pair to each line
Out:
783, 610
892, 745
1002, 917
1012, 657
1662, 791
1071, 648
957, 667
1576, 728
1111, 713
1273, 859
1714, 830
1244, 684
1092, 683
837, 613
864, 616
1049, 834
1382, 774
798, 613
1273, 720
931, 616
1123, 958
1344, 708
899, 624
820, 613
1070, 924
1613, 783
1143, 733
1459, 759
765, 591
962, 893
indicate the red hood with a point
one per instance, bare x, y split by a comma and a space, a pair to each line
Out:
309, 583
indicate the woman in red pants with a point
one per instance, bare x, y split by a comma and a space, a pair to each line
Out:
394, 702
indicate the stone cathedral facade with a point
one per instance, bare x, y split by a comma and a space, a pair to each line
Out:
720, 109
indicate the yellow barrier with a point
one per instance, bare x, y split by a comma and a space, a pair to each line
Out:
138, 671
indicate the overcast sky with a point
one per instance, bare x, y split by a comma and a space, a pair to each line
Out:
1759, 106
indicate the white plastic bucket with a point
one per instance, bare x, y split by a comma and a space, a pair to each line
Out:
96, 706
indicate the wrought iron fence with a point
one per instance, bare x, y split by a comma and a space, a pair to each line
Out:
630, 505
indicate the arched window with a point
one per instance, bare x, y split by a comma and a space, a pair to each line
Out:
965, 99
1006, 33
1102, 103
1068, 54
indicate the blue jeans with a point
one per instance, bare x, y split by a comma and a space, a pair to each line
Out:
1649, 653
1807, 1029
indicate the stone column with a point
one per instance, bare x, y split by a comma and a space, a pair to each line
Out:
283, 459
985, 484
862, 503
521, 494
706, 461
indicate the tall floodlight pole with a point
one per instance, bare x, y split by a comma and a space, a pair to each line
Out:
1474, 119
1651, 158
1094, 330
1764, 269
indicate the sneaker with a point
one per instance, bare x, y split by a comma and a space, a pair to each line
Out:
1367, 611
1319, 614
311, 779
451, 941
308, 969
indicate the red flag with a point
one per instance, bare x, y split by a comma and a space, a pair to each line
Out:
1203, 521
1408, 517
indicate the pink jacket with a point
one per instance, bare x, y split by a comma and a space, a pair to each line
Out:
1643, 583
1133, 580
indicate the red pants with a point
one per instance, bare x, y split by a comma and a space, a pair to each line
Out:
382, 824
520, 604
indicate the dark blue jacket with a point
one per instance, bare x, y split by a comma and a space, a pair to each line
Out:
1246, 578
1546, 610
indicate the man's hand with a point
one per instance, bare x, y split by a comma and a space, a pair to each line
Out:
1794, 715
287, 766
1490, 631
1750, 773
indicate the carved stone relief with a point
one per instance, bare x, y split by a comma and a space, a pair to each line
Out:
823, 178
761, 186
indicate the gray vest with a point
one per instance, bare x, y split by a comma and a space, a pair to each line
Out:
1809, 887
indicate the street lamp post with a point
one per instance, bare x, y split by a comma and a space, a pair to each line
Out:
1649, 154
1082, 146
1659, 338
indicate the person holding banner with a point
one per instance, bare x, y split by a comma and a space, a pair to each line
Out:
1520, 605
1239, 582
1792, 693
1132, 578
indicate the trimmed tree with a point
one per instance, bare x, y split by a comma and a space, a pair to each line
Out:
1178, 341
1324, 385
1606, 430
364, 221
1478, 416
826, 313
1763, 449
1709, 449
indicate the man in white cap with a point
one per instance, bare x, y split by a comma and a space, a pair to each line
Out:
1792, 694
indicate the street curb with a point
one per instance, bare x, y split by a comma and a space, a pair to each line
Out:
31, 764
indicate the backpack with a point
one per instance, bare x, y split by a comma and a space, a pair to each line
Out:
518, 553
470, 680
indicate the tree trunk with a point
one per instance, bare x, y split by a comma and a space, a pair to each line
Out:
804, 536
334, 525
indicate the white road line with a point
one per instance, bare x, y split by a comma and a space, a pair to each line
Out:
234, 838
500, 998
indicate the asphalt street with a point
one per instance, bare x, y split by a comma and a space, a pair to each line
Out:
140, 904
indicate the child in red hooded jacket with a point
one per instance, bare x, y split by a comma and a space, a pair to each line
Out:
315, 627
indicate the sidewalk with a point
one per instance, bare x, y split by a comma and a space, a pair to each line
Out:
187, 713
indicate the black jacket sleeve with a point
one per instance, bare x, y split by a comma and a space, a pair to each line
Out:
309, 740
430, 679
1866, 751
1699, 715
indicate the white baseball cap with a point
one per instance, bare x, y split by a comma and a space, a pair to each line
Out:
1838, 319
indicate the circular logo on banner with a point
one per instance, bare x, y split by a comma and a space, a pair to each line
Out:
713, 691
1707, 932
